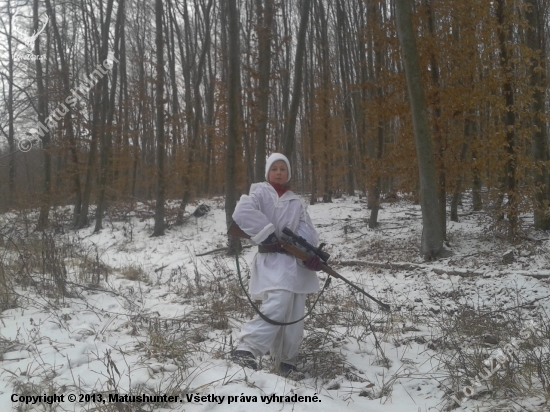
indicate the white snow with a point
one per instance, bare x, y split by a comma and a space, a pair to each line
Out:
172, 332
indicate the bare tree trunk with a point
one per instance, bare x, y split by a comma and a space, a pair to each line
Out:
186, 57
458, 189
290, 123
246, 12
322, 27
535, 41
95, 129
43, 218
106, 117
68, 118
210, 123
365, 65
432, 241
161, 149
10, 108
264, 28
310, 78
477, 203
233, 102
343, 41
175, 122
510, 180
439, 138
197, 121
376, 144
285, 77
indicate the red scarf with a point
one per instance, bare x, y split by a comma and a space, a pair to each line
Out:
280, 189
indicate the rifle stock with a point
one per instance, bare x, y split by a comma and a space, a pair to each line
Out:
235, 230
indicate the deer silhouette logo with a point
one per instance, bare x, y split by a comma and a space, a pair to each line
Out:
28, 40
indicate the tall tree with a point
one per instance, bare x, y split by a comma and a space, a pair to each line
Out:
264, 29
325, 90
69, 127
42, 115
439, 137
10, 107
344, 65
290, 123
432, 241
376, 142
95, 101
106, 117
159, 42
537, 74
233, 121
505, 31
197, 120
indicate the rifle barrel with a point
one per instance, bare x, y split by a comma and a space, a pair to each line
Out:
235, 230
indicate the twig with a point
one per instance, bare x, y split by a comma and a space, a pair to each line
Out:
160, 268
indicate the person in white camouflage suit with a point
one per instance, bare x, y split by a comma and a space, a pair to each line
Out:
277, 278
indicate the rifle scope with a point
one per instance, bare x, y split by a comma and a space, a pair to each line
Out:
300, 240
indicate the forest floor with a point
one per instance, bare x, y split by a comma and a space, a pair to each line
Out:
122, 312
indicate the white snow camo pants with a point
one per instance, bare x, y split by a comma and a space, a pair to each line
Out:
282, 342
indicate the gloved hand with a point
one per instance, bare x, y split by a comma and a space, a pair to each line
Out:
313, 263
272, 244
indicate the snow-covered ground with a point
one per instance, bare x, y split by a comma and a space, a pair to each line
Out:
163, 320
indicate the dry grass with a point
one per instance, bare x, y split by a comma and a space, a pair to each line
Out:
467, 348
217, 306
133, 272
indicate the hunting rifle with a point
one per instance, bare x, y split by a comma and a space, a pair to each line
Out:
235, 230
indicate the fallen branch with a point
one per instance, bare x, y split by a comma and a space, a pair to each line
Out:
410, 266
160, 268
534, 239
465, 273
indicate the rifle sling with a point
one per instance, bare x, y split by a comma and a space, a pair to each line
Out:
268, 320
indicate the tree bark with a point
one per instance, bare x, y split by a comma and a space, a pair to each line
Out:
440, 142
105, 137
376, 143
290, 123
343, 41
322, 27
68, 117
510, 179
432, 241
264, 29
537, 74
10, 108
197, 121
233, 101
159, 42
43, 218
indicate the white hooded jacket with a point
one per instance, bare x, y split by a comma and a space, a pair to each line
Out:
263, 212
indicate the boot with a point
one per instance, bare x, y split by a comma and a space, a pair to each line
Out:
244, 358
289, 371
